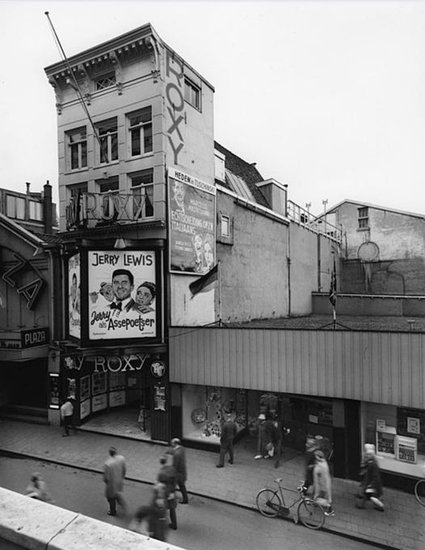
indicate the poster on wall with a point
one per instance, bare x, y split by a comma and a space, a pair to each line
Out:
84, 388
159, 397
74, 310
53, 390
122, 294
85, 409
191, 223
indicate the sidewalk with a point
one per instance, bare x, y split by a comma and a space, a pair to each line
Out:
401, 526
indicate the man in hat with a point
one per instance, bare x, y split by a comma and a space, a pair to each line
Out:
228, 433
179, 462
114, 472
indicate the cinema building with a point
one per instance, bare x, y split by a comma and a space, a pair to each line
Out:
235, 276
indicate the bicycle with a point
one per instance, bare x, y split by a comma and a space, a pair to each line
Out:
420, 491
272, 503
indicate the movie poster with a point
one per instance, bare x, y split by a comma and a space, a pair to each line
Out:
122, 294
74, 310
192, 223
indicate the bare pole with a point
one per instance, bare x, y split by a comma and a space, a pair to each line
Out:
219, 294
74, 83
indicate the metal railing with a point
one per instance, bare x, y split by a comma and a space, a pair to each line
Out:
320, 225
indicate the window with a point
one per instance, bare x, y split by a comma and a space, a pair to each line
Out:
106, 81
140, 128
108, 136
192, 93
109, 188
36, 211
225, 226
363, 217
15, 207
77, 147
142, 189
77, 188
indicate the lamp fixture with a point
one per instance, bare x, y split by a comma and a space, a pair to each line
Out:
120, 243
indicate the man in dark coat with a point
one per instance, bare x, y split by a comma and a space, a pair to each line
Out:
179, 463
228, 433
167, 476
371, 483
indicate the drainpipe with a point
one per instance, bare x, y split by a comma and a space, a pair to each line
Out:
288, 263
319, 264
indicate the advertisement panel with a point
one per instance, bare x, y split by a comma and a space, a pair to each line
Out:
74, 309
122, 294
191, 223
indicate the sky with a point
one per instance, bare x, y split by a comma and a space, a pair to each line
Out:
326, 97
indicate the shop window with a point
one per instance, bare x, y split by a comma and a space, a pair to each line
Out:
192, 93
204, 409
108, 140
142, 190
76, 148
140, 128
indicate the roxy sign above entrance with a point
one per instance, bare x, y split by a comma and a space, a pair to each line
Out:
121, 363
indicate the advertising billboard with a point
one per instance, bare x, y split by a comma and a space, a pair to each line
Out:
191, 223
122, 298
74, 307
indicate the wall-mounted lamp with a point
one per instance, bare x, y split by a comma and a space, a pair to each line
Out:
120, 243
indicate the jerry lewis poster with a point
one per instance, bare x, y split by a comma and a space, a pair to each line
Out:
122, 294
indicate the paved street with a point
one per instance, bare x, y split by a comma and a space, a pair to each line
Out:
401, 526
203, 525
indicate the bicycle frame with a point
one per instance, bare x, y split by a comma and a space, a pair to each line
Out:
298, 498
272, 503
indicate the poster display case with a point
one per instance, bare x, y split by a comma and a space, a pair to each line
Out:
385, 441
406, 449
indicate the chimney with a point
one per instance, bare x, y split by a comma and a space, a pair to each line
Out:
47, 208
28, 184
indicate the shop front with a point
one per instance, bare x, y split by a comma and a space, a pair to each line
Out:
398, 434
114, 362
203, 408
126, 392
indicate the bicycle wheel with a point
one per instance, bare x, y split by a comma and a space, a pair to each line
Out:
420, 491
268, 503
311, 514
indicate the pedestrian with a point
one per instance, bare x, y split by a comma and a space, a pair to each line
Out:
67, 416
266, 428
179, 462
228, 433
322, 486
277, 440
154, 514
167, 476
311, 446
113, 475
38, 489
371, 483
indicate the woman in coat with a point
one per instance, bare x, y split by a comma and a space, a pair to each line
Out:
322, 486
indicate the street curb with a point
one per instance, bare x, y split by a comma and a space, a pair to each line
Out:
15, 454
